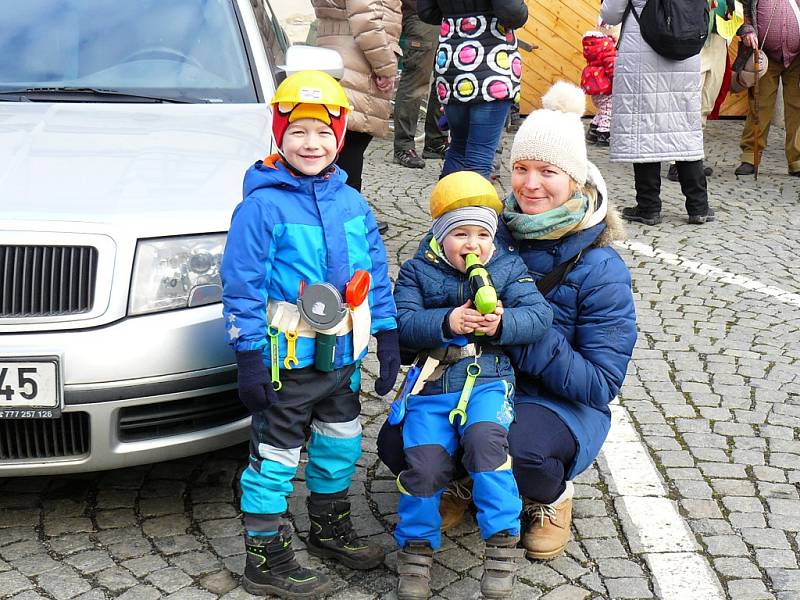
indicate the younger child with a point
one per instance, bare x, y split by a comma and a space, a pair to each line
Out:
600, 51
299, 224
436, 315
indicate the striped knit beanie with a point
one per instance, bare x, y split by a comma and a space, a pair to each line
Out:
481, 216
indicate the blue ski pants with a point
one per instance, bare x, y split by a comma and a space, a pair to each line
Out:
430, 443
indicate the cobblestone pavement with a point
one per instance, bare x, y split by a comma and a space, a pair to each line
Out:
713, 393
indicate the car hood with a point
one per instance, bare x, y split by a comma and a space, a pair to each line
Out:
128, 165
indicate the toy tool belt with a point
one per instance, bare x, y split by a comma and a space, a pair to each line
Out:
448, 356
452, 354
285, 316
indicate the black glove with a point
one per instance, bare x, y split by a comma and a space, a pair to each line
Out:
255, 385
389, 360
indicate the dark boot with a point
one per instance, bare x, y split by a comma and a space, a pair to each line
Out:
632, 213
409, 159
672, 172
332, 536
434, 152
271, 568
500, 565
591, 135
700, 219
414, 571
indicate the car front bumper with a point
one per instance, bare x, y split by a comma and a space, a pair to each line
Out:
141, 390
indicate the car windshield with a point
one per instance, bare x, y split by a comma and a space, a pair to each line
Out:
182, 49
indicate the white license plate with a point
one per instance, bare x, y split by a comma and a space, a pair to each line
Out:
30, 388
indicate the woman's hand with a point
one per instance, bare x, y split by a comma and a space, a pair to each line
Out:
465, 319
491, 321
384, 84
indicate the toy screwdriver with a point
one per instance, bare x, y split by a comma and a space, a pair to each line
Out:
484, 296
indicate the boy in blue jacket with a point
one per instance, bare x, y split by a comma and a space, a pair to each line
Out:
300, 225
436, 315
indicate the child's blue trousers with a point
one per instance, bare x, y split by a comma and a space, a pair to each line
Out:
430, 443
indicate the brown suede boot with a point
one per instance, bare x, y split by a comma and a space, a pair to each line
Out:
547, 526
455, 502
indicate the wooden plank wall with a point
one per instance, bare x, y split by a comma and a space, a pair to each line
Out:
557, 27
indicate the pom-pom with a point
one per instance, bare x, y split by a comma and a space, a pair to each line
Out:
565, 97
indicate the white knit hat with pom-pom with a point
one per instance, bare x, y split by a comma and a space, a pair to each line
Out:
554, 133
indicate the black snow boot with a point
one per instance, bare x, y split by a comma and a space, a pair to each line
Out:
271, 568
332, 536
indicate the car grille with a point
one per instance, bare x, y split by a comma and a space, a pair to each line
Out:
161, 419
46, 280
26, 439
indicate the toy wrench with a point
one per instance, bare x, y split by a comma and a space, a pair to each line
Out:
460, 411
291, 350
273, 334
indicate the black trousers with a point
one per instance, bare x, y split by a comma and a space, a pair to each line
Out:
647, 177
351, 157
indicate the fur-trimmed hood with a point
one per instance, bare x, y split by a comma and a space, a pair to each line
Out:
615, 229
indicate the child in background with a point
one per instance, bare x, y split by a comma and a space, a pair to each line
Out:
600, 51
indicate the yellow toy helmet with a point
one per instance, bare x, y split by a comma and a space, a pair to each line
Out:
463, 188
310, 95
311, 87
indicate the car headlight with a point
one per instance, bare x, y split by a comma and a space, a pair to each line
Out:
176, 272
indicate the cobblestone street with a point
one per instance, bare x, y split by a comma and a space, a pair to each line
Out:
694, 496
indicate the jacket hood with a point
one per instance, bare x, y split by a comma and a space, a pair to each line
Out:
273, 172
614, 228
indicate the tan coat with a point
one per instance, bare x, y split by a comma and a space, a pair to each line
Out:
366, 33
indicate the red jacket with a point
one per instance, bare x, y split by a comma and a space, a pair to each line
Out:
600, 51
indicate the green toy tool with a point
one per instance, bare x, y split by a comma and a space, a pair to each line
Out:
484, 296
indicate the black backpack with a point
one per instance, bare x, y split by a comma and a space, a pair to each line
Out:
675, 29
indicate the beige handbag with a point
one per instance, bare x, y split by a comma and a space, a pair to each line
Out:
746, 77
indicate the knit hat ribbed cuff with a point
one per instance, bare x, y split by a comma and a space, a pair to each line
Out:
467, 215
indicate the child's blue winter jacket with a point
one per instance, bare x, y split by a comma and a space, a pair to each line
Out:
292, 230
428, 289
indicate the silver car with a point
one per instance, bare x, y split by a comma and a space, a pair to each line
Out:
125, 129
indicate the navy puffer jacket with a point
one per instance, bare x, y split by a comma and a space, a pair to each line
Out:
578, 367
428, 289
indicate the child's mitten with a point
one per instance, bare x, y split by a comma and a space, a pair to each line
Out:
255, 386
389, 360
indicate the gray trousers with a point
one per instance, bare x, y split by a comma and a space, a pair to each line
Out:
421, 42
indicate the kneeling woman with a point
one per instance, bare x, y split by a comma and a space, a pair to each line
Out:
559, 219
